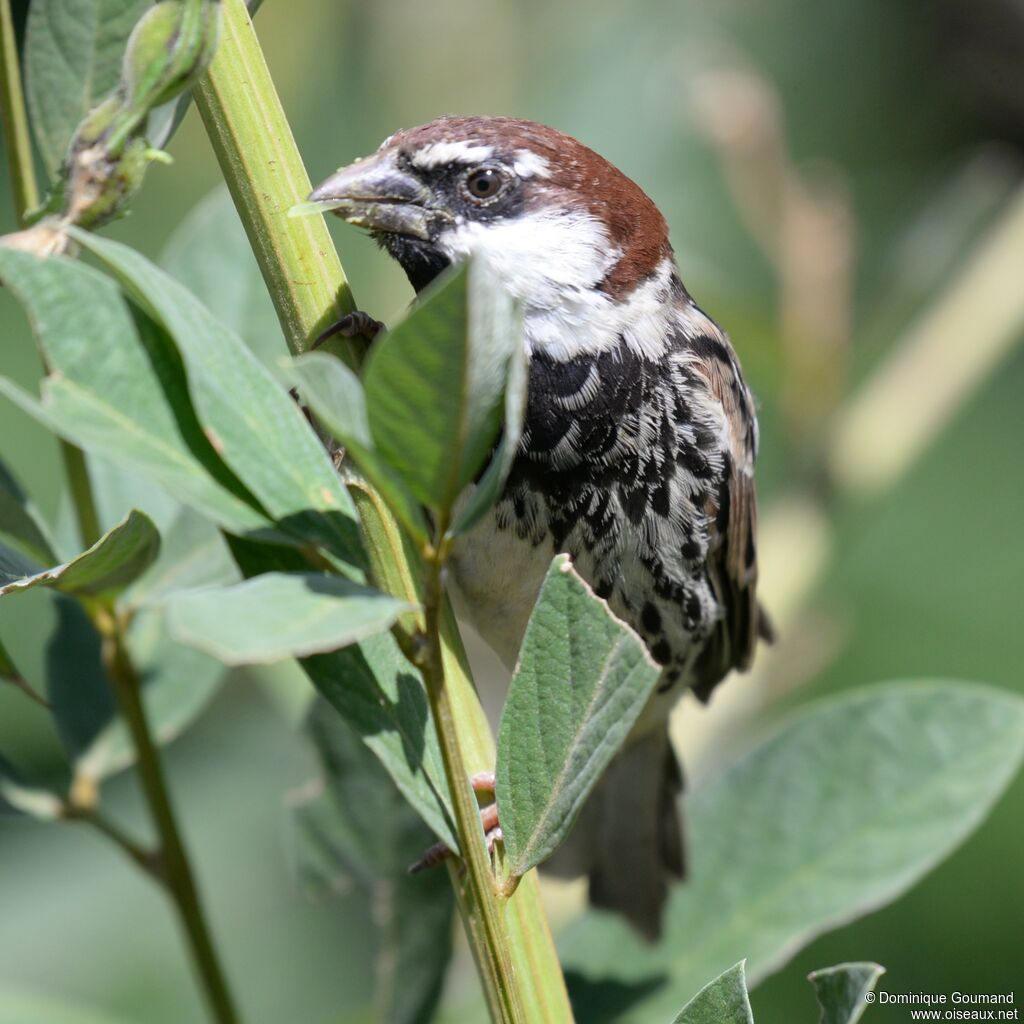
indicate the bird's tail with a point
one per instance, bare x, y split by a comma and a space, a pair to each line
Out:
628, 839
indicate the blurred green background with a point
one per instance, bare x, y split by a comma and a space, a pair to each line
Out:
901, 125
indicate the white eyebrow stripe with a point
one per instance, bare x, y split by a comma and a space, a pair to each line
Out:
438, 153
529, 165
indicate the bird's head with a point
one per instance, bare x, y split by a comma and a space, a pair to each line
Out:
565, 229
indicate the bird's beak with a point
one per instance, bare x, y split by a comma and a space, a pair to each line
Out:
375, 193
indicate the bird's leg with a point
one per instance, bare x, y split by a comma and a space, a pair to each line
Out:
356, 324
482, 782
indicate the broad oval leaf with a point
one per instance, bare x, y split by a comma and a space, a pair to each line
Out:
434, 384
73, 51
722, 1001
335, 395
582, 680
252, 422
841, 990
118, 558
842, 809
132, 405
280, 615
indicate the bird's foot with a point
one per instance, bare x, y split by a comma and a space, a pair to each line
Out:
356, 324
482, 783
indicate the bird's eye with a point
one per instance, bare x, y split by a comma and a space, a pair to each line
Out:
483, 183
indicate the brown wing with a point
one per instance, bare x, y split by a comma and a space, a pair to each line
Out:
732, 558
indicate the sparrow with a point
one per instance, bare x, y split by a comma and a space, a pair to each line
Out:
638, 447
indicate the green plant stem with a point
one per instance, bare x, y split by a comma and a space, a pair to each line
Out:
264, 172
266, 177
174, 866
148, 860
12, 108
492, 954
76, 471
396, 568
18, 681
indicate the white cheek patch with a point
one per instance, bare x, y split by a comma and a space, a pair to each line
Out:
540, 256
439, 153
552, 263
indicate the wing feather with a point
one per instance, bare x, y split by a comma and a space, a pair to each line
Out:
732, 557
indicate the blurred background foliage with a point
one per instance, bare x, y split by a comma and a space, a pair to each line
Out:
828, 171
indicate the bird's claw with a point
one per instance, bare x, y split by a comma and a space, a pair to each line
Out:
356, 324
482, 782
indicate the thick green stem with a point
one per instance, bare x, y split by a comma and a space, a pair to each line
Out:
173, 863
12, 107
482, 913
265, 174
257, 154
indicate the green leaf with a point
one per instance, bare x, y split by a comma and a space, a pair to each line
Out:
722, 1001
381, 696
354, 824
20, 525
73, 51
76, 683
357, 829
582, 680
211, 256
280, 615
177, 685
14, 565
132, 404
336, 397
841, 810
252, 422
841, 990
115, 560
420, 955
434, 384
483, 496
